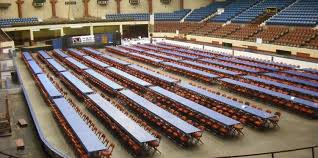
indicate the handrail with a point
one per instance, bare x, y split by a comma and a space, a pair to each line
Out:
275, 152
10, 156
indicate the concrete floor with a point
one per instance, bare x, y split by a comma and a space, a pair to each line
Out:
295, 131
18, 110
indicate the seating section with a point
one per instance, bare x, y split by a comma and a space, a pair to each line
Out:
190, 27
175, 16
207, 29
259, 9
271, 33
128, 17
246, 32
166, 26
301, 13
226, 30
14, 21
233, 10
297, 37
204, 12
313, 43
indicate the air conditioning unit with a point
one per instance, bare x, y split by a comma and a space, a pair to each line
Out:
38, 5
4, 5
102, 2
134, 2
166, 2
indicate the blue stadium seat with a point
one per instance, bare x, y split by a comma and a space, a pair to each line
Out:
301, 13
11, 21
258, 9
175, 16
204, 12
233, 10
128, 17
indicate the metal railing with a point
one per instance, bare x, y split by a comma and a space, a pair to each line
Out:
272, 154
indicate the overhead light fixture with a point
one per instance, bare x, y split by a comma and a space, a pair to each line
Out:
55, 28
34, 30
76, 26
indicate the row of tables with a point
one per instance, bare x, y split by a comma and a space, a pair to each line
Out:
55, 65
77, 83
93, 61
293, 99
159, 112
302, 74
227, 101
122, 120
87, 138
249, 63
283, 86
195, 71
133, 129
196, 107
48, 86
103, 80
211, 68
153, 74
189, 104
129, 77
232, 66
292, 79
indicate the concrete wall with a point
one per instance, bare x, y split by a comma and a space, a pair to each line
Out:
193, 4
158, 7
76, 11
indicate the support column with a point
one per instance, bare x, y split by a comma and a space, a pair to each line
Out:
19, 3
86, 13
62, 32
91, 30
31, 38
53, 2
121, 29
181, 4
118, 6
150, 6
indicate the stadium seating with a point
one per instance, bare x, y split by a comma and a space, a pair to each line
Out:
313, 43
259, 9
207, 29
271, 33
301, 13
297, 37
190, 27
234, 9
167, 26
204, 12
128, 17
246, 32
175, 16
12, 21
226, 30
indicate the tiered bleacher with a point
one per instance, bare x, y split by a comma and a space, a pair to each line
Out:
128, 17
301, 13
175, 16
233, 10
13, 21
204, 12
259, 9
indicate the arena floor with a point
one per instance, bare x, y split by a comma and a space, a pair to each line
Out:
294, 132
